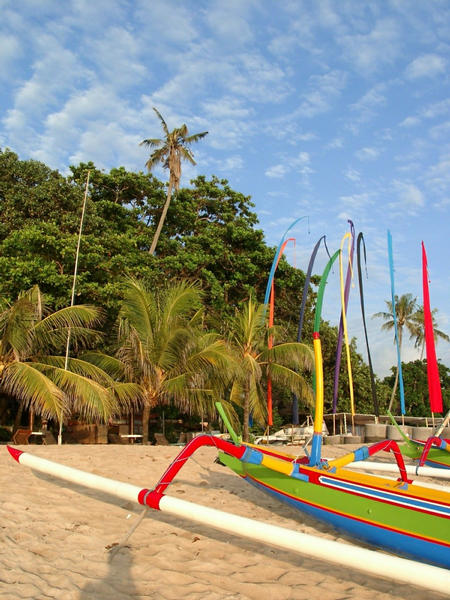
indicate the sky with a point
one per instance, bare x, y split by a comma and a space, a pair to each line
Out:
328, 110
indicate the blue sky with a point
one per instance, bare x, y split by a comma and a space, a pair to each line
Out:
335, 110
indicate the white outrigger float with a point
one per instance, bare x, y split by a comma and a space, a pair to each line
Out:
374, 563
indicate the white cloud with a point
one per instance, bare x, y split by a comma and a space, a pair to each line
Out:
230, 21
367, 52
410, 122
427, 65
299, 164
438, 176
352, 174
355, 202
410, 198
437, 109
276, 171
10, 50
336, 143
166, 23
367, 153
441, 131
324, 90
118, 55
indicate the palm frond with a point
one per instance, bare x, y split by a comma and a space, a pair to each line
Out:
109, 364
128, 395
30, 385
81, 367
163, 123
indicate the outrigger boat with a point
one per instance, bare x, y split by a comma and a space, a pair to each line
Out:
434, 451
397, 515
405, 518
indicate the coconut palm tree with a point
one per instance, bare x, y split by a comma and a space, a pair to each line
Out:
170, 151
164, 350
419, 334
405, 309
32, 367
283, 362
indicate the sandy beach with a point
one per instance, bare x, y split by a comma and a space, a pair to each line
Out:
54, 537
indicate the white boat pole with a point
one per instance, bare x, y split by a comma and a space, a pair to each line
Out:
367, 465
361, 559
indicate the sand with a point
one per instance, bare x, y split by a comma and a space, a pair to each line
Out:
54, 537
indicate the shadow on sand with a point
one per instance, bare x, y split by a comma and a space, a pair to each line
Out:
118, 582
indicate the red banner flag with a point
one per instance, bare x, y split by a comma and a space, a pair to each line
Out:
434, 383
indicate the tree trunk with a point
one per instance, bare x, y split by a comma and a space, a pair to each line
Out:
145, 422
18, 419
394, 390
245, 431
399, 332
162, 218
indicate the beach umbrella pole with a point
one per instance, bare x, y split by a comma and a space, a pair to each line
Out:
368, 561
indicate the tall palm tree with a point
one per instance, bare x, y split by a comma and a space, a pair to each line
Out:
419, 334
405, 309
163, 349
30, 335
170, 151
283, 362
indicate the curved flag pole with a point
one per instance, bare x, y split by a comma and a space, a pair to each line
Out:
341, 325
434, 383
399, 361
276, 259
344, 322
316, 448
270, 340
361, 298
301, 316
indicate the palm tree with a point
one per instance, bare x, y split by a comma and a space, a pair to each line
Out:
30, 371
405, 309
248, 338
170, 151
163, 349
419, 334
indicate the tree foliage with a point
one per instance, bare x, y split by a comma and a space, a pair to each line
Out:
416, 387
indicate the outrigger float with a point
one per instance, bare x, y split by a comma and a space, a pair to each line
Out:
397, 515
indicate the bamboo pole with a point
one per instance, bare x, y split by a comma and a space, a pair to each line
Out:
72, 300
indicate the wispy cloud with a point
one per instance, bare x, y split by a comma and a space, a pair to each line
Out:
368, 52
352, 174
276, 171
410, 199
367, 153
427, 65
324, 89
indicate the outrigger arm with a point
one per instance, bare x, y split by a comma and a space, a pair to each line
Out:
368, 561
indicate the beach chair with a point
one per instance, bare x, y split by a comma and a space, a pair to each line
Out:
21, 436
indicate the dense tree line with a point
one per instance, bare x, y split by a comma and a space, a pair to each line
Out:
210, 236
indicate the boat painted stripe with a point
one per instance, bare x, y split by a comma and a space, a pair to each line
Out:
436, 463
428, 507
425, 550
439, 497
346, 515
361, 478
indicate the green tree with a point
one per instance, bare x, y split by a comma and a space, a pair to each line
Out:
170, 151
405, 309
38, 234
416, 387
163, 349
419, 334
30, 371
283, 362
